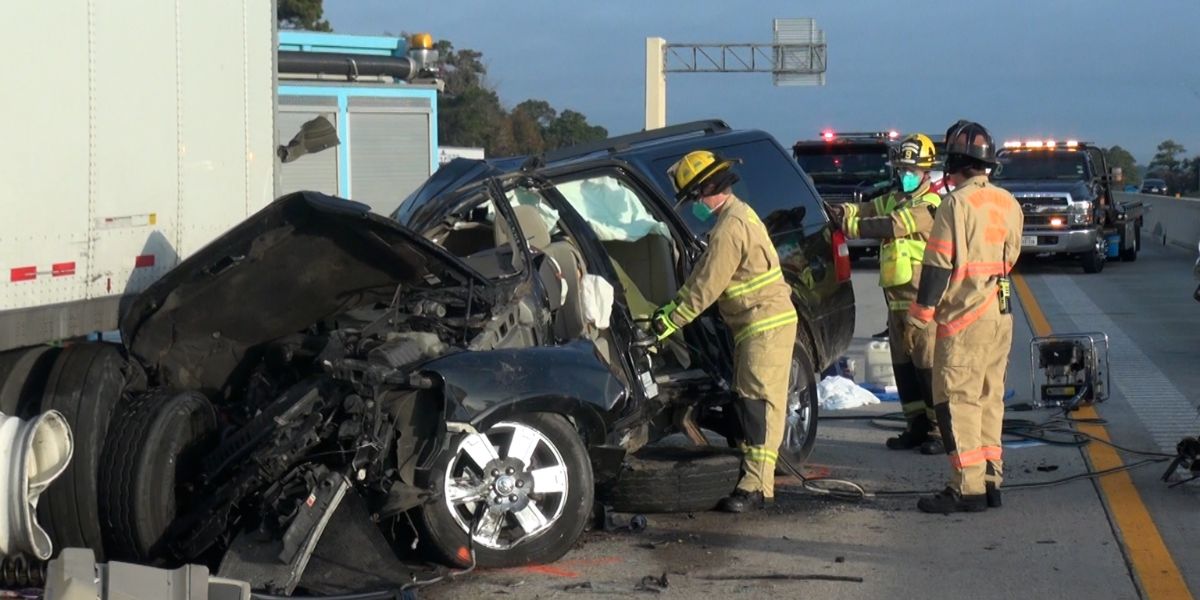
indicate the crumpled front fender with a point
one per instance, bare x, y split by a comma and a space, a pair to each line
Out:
482, 388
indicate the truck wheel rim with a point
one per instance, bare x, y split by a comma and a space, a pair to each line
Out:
797, 412
506, 486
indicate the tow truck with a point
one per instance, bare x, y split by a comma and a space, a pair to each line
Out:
1065, 192
849, 167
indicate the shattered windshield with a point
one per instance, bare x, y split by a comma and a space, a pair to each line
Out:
1069, 166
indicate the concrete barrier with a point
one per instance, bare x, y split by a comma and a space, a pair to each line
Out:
1168, 220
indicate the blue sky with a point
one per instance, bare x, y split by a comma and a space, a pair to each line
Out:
1111, 71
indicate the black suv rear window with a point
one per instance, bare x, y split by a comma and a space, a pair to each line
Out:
771, 182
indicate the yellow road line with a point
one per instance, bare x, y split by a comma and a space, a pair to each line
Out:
1152, 563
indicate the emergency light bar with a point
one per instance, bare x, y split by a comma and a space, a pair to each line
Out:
829, 135
1041, 144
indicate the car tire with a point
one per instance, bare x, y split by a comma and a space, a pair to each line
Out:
155, 442
662, 479
800, 429
23, 375
85, 384
557, 453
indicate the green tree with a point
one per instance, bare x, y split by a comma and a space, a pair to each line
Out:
1187, 181
470, 112
461, 69
1166, 160
538, 110
572, 128
302, 14
1120, 157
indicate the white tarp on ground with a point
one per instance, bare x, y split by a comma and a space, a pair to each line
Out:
838, 393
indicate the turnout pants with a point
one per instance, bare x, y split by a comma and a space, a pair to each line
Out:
762, 366
912, 363
968, 387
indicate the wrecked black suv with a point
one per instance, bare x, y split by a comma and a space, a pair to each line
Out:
460, 378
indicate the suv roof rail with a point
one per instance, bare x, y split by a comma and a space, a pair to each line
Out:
627, 141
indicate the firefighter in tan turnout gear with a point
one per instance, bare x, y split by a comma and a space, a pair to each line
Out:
739, 271
964, 288
901, 220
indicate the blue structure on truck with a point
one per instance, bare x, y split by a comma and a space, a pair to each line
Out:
380, 94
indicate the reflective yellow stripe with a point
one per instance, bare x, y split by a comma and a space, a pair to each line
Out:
931, 199
899, 305
851, 210
761, 453
906, 218
686, 313
767, 324
852, 227
757, 283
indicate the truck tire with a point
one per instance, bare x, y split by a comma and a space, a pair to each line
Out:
560, 508
154, 444
84, 385
23, 375
1129, 254
659, 479
1093, 262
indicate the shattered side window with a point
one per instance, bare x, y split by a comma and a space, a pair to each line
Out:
471, 233
522, 196
614, 211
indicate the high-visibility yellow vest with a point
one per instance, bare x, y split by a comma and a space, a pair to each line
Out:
898, 256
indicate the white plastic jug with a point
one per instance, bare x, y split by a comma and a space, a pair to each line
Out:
879, 364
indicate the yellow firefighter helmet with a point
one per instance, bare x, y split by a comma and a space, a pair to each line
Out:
916, 152
695, 168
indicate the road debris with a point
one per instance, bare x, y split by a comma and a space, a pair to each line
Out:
652, 583
783, 577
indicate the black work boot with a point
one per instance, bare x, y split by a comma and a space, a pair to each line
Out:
950, 501
741, 501
933, 445
993, 496
907, 440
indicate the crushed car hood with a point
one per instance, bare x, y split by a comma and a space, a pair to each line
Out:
303, 258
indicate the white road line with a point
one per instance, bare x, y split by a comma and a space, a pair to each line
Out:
1165, 413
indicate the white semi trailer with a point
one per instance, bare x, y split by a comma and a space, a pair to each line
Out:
136, 131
